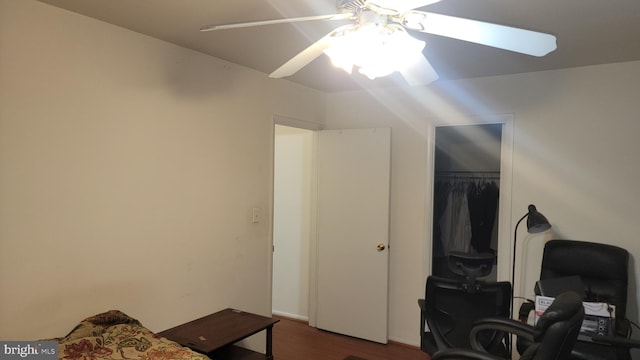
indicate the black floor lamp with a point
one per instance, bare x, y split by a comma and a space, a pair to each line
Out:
536, 223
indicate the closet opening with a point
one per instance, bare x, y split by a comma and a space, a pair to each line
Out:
467, 169
292, 215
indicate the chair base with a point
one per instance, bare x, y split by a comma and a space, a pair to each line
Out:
428, 343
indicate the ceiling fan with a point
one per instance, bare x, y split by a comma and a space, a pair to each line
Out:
378, 42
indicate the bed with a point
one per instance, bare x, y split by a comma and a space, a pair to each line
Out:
115, 335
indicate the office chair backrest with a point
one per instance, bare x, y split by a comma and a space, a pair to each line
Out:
602, 268
452, 306
468, 268
452, 310
557, 330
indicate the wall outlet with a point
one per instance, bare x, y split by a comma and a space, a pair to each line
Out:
256, 217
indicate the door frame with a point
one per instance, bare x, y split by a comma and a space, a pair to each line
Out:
505, 246
313, 236
315, 127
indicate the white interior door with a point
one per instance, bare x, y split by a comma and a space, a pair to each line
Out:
353, 232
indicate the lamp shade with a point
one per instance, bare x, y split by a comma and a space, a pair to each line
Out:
536, 222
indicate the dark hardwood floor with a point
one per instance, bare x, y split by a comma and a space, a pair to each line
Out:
295, 340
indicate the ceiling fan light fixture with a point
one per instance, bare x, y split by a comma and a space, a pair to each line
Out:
378, 44
377, 50
414, 20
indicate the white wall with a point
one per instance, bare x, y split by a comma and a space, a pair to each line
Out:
129, 167
292, 221
575, 148
128, 171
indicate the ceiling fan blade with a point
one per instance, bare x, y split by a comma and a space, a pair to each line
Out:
498, 36
402, 5
307, 55
342, 16
419, 73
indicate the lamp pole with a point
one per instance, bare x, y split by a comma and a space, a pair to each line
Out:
536, 223
513, 262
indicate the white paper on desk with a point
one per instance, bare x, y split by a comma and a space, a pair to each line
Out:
599, 317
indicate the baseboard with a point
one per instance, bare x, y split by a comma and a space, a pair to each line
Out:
290, 316
395, 341
405, 343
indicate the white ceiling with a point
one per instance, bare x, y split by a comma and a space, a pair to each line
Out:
589, 32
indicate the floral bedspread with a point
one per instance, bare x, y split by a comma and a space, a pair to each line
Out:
114, 335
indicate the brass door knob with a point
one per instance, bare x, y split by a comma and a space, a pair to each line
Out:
381, 247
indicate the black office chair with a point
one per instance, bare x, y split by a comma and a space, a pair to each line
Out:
552, 337
602, 271
451, 306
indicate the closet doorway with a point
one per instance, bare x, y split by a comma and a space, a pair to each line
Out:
292, 209
471, 186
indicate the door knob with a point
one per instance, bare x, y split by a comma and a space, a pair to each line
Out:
381, 247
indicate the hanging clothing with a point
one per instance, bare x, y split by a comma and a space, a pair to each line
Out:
441, 195
483, 205
455, 222
465, 212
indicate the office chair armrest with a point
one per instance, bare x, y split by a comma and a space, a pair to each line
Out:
463, 354
616, 341
508, 326
525, 309
478, 352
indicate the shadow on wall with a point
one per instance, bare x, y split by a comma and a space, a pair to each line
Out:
201, 76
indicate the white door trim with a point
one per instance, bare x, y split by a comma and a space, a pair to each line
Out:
313, 126
506, 181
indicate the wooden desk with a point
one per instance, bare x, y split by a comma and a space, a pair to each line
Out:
215, 334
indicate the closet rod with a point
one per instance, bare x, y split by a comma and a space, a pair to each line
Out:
468, 174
